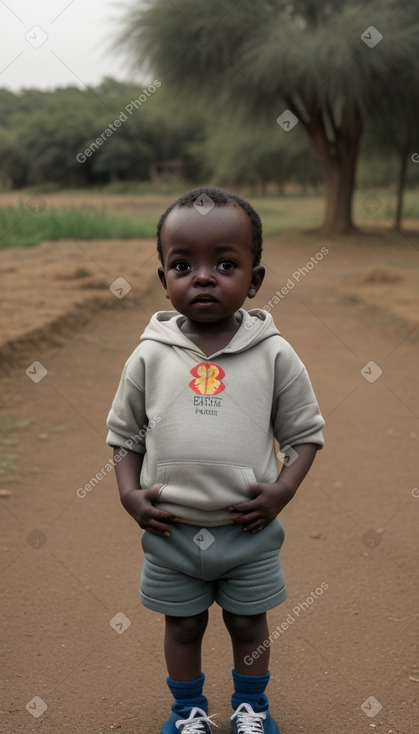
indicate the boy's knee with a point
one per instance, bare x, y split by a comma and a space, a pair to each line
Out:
187, 629
244, 627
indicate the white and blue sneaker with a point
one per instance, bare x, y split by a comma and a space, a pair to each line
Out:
247, 721
197, 723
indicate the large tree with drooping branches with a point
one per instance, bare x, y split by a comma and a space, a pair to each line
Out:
328, 63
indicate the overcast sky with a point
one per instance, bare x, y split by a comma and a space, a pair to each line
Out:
50, 43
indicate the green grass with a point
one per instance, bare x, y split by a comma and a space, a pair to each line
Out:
125, 211
288, 212
22, 227
8, 424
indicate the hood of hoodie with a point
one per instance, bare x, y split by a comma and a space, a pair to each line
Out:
256, 325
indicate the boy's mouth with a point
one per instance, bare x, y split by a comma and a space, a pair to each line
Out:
204, 298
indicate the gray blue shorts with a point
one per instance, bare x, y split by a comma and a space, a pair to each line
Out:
185, 573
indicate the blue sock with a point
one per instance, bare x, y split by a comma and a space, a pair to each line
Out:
250, 689
187, 694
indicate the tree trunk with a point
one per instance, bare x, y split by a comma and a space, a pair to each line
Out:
338, 161
339, 187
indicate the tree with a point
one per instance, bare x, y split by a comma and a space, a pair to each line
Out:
395, 133
121, 159
50, 143
319, 63
234, 157
52, 136
14, 167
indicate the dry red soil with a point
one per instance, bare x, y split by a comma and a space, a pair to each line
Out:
79, 652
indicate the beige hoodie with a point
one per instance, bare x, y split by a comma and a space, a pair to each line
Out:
206, 425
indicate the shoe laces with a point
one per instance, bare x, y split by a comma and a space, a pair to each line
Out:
247, 720
198, 723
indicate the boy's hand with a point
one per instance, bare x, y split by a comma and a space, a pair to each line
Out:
269, 500
139, 504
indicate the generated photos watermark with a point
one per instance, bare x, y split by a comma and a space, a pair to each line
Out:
203, 204
36, 371
120, 287
136, 439
123, 116
371, 371
287, 455
292, 281
36, 707
292, 617
371, 707
371, 36
120, 622
203, 538
287, 120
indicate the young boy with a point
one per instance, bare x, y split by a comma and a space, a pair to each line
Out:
193, 423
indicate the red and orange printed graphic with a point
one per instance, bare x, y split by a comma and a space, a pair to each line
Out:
208, 379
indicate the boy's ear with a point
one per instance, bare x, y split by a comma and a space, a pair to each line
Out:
160, 272
258, 274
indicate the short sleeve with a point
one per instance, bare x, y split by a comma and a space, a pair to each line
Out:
296, 415
127, 419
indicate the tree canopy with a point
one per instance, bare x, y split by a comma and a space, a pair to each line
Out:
45, 139
44, 136
322, 64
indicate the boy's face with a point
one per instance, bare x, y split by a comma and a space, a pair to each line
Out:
208, 262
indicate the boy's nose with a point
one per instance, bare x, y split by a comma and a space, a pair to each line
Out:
204, 275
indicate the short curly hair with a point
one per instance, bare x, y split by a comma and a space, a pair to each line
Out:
220, 198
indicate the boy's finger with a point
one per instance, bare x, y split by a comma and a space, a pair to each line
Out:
243, 507
161, 533
164, 516
247, 519
158, 528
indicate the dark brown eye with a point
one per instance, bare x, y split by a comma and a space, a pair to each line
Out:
227, 265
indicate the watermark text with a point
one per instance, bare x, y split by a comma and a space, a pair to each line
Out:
295, 613
128, 110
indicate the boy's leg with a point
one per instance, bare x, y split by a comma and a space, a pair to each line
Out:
182, 647
248, 632
249, 701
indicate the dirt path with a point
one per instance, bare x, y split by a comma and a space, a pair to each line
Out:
51, 290
76, 639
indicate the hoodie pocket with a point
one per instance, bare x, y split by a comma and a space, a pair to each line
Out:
204, 485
